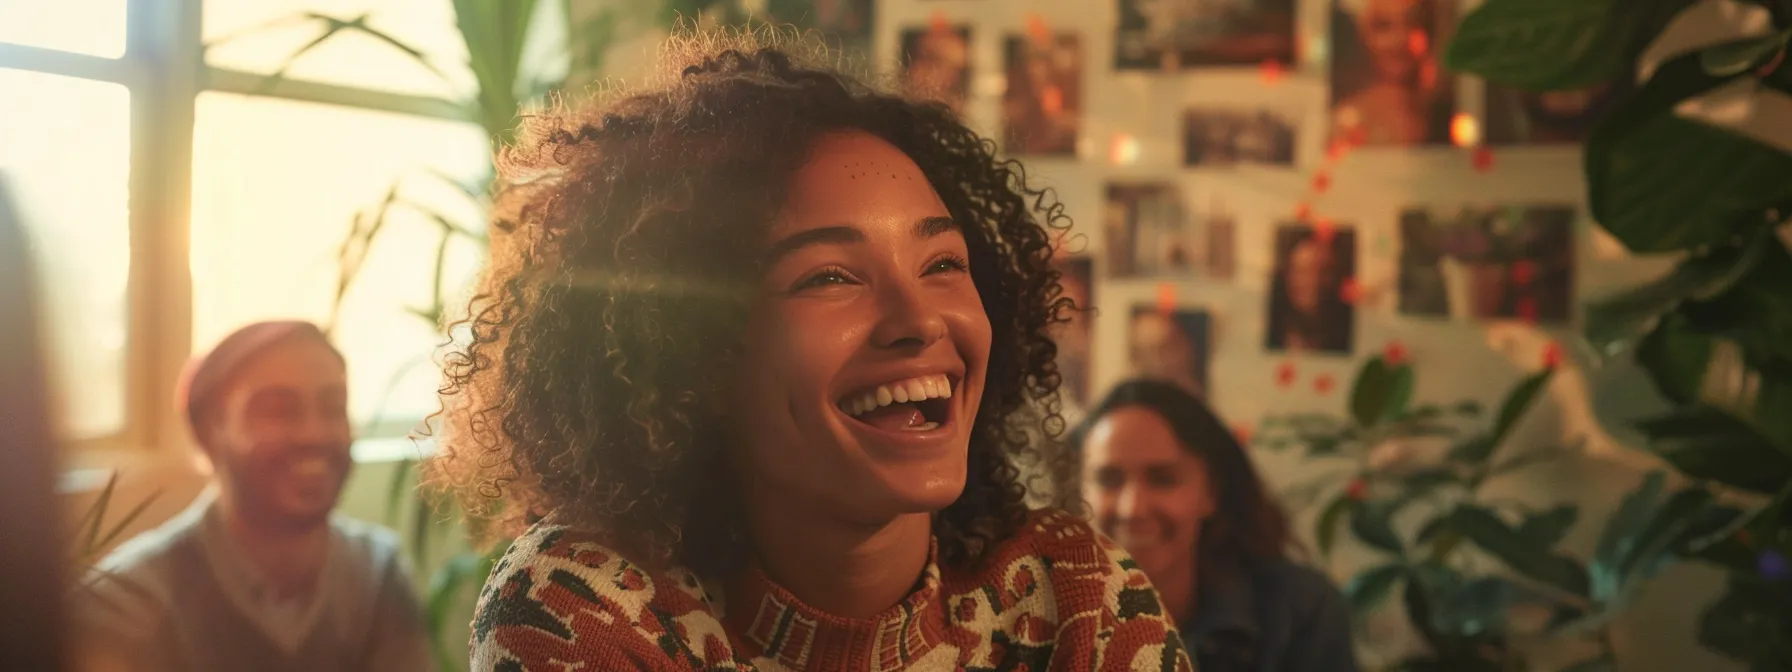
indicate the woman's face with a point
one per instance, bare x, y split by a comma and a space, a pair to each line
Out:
1146, 491
1306, 275
1387, 27
863, 360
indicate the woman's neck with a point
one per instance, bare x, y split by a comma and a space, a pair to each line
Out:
851, 570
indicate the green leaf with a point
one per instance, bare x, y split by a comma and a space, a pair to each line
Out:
1660, 183
1627, 523
1735, 58
1517, 402
400, 484
1473, 450
1756, 311
1749, 621
448, 584
1666, 533
1491, 534
1372, 525
1710, 444
1538, 44
1326, 526
1476, 607
1380, 392
1369, 589
1675, 358
1615, 324
1547, 528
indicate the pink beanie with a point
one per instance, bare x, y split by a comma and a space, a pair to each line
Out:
207, 374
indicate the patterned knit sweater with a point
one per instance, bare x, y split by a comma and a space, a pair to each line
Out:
1056, 596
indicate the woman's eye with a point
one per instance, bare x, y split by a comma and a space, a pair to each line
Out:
948, 264
823, 279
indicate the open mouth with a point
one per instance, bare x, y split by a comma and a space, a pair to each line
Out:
915, 404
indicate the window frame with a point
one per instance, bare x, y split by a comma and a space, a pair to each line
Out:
163, 67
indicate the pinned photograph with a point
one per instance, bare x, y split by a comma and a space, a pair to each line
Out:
1042, 107
846, 22
1509, 262
1387, 86
1147, 231
1308, 309
1172, 347
1518, 117
936, 64
1074, 336
1171, 34
1223, 137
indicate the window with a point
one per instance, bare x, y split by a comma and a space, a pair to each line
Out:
67, 157
270, 210
167, 210
90, 27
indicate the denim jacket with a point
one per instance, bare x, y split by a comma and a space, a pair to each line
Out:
1270, 617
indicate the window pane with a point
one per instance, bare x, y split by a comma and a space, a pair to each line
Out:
93, 27
276, 188
249, 35
65, 147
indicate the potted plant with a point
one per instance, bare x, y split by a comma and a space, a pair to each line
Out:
1667, 174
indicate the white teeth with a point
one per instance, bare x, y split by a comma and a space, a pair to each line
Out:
924, 427
901, 391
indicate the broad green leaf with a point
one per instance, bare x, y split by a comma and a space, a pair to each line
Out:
1370, 395
1615, 324
1326, 526
1476, 607
1734, 58
1547, 528
1372, 525
1370, 588
448, 584
1756, 311
1660, 183
1517, 402
1626, 526
1675, 358
1539, 44
1536, 562
1710, 444
1658, 545
1749, 621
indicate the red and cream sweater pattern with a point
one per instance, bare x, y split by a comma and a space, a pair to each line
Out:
1055, 597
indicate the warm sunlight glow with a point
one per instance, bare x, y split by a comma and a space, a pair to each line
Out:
276, 185
1124, 151
1465, 130
92, 27
65, 147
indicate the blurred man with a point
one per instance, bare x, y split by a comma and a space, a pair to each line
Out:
257, 574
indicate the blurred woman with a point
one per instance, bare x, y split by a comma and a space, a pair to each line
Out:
1164, 477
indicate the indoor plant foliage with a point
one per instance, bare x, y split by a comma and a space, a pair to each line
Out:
1462, 607
1664, 175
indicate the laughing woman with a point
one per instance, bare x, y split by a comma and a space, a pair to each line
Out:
756, 356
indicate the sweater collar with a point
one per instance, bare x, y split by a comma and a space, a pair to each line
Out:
774, 624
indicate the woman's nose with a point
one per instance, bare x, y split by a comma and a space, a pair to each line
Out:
907, 319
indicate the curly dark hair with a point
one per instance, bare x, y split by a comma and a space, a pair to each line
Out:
584, 379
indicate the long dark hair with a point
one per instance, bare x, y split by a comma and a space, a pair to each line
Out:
1247, 525
585, 384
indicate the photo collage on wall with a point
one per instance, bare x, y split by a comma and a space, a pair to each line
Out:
1385, 91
